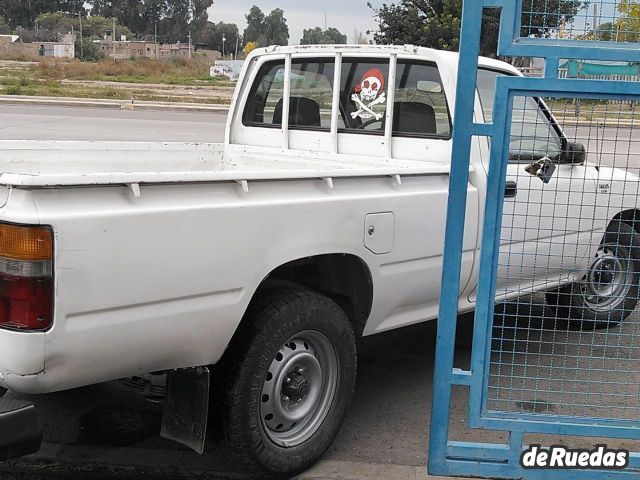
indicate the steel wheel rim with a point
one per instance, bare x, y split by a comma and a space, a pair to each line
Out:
298, 388
607, 283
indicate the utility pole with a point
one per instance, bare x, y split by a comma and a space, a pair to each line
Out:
224, 39
189, 44
81, 40
113, 37
237, 42
156, 39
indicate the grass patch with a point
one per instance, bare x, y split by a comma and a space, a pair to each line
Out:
54, 88
14, 90
138, 70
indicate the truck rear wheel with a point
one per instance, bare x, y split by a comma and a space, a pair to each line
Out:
608, 293
287, 381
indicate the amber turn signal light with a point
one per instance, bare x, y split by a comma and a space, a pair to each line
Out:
25, 243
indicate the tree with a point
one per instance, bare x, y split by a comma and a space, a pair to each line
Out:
266, 30
93, 27
98, 27
606, 32
627, 27
57, 22
436, 23
255, 31
4, 27
227, 30
546, 16
72, 7
90, 52
315, 36
249, 47
24, 12
276, 29
174, 18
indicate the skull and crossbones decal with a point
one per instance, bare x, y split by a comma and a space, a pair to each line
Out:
368, 94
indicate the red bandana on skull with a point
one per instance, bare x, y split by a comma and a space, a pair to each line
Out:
371, 84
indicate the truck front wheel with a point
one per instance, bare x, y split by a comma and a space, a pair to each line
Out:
608, 293
287, 381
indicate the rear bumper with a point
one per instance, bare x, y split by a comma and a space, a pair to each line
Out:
22, 361
21, 432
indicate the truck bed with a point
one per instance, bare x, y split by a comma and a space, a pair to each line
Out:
57, 163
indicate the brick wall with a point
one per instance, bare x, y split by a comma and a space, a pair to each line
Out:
18, 50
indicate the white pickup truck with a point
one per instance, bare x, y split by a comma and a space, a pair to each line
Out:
318, 221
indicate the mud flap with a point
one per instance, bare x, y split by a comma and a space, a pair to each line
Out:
20, 432
187, 407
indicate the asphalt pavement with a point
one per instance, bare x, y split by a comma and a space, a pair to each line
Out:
40, 122
606, 144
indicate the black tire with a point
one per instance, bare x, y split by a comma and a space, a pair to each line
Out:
616, 271
274, 325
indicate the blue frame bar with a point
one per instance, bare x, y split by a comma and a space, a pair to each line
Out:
454, 234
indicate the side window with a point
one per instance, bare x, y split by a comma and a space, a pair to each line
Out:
532, 134
420, 103
309, 102
363, 95
420, 108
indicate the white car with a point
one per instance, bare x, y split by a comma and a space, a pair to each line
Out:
318, 221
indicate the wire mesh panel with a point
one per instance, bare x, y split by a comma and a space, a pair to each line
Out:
603, 20
566, 337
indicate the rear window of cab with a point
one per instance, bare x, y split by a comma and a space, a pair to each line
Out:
420, 105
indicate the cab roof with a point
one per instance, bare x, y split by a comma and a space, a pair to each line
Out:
449, 58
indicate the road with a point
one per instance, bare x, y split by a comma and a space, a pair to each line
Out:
22, 122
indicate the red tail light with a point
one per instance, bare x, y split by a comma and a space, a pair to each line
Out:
26, 277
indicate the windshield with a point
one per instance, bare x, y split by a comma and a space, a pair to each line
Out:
533, 136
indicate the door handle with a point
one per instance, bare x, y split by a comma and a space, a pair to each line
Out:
510, 189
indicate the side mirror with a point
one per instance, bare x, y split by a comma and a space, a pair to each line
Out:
429, 86
574, 153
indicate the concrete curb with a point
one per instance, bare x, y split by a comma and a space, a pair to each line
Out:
113, 104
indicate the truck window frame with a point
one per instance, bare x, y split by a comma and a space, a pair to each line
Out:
265, 66
344, 96
257, 79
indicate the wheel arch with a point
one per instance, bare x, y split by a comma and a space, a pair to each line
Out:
631, 217
344, 278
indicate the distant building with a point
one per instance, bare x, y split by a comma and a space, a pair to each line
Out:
9, 38
129, 49
178, 50
124, 49
10, 45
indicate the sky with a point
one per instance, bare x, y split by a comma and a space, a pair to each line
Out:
345, 15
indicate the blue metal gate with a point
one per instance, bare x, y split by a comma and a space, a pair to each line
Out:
556, 334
